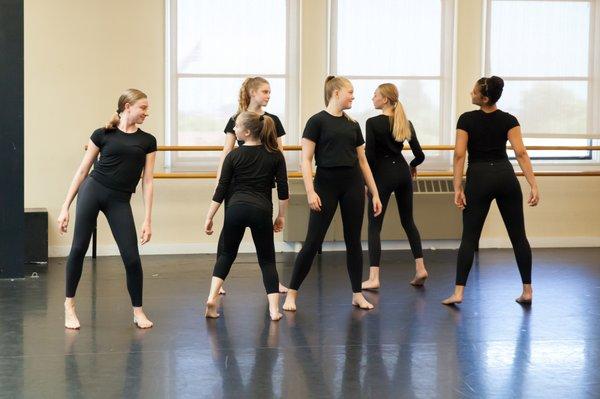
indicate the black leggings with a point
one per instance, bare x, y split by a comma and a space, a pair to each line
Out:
487, 181
393, 176
92, 198
346, 186
237, 218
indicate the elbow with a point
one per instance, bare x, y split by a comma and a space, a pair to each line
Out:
521, 154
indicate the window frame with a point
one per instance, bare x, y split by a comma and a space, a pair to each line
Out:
291, 77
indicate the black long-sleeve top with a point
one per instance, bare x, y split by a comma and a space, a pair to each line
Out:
247, 177
380, 142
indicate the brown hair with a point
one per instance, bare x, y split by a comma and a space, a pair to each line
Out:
261, 127
249, 85
129, 96
398, 122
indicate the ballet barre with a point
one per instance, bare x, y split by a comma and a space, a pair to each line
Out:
424, 173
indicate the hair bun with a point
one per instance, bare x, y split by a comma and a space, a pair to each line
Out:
498, 81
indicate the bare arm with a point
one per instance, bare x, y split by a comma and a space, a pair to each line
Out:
308, 153
516, 141
460, 154
148, 189
82, 171
369, 180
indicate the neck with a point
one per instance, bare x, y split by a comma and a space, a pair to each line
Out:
126, 126
252, 142
334, 109
489, 108
255, 108
387, 110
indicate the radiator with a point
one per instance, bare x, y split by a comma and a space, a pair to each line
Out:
436, 216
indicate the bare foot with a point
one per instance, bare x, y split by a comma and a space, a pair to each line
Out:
211, 309
282, 289
370, 284
419, 279
275, 316
290, 301
71, 320
222, 291
359, 300
525, 298
452, 300
140, 319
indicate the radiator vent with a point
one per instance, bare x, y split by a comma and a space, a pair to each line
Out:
433, 186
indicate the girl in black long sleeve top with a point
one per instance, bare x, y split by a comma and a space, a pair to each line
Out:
253, 166
386, 134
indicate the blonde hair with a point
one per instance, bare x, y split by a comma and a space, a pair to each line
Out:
398, 122
333, 83
249, 85
261, 127
129, 96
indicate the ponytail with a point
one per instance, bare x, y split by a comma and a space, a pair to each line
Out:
113, 122
248, 86
268, 134
129, 96
261, 127
399, 124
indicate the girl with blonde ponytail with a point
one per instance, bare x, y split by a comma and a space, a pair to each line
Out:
253, 167
337, 144
254, 95
125, 152
386, 134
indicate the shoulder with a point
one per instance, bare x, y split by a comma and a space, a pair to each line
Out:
274, 117
148, 136
509, 117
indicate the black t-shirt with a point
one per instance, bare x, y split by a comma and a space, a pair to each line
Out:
381, 142
122, 157
278, 126
488, 133
336, 139
253, 169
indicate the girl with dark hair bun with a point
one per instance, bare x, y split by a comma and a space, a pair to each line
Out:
483, 135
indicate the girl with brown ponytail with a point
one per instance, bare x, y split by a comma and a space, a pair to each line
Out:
386, 134
253, 167
125, 152
255, 94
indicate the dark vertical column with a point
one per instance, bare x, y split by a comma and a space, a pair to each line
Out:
12, 237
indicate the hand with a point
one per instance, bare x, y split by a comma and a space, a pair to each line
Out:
377, 207
278, 224
534, 197
146, 233
459, 199
413, 172
63, 221
314, 201
208, 226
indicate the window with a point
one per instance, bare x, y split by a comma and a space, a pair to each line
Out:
374, 43
545, 52
214, 46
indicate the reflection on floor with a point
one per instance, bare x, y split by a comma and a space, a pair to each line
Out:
410, 346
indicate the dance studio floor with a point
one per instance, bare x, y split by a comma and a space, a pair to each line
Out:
410, 346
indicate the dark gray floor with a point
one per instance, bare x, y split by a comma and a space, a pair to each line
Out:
410, 346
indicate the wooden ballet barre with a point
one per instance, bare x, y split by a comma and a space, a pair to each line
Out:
424, 173
423, 147
406, 147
